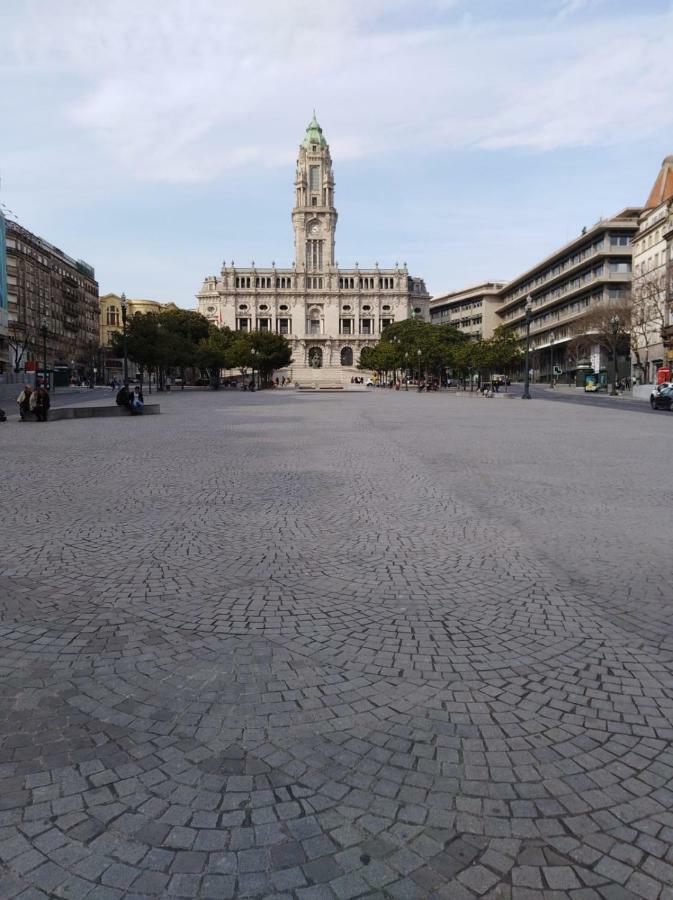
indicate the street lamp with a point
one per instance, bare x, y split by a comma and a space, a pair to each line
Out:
126, 351
253, 352
552, 338
419, 353
614, 323
44, 331
406, 371
529, 316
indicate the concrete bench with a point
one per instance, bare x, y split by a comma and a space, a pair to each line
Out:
95, 412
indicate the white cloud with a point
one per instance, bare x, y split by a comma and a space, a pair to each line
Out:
181, 92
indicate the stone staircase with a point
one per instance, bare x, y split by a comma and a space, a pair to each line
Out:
306, 376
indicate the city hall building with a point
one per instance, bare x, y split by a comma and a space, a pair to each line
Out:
328, 314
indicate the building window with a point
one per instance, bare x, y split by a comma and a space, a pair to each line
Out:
314, 201
283, 326
346, 308
243, 324
314, 254
385, 323
314, 178
619, 240
619, 267
366, 326
242, 305
366, 308
314, 326
347, 356
263, 306
346, 326
283, 307
112, 315
263, 324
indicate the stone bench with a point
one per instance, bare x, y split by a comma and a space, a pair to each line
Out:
95, 412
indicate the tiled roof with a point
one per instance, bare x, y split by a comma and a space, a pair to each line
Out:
663, 186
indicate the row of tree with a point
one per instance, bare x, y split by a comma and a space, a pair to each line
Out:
415, 346
181, 339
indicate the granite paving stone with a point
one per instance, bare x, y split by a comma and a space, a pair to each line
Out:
372, 645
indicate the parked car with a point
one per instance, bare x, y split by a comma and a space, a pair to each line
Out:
663, 398
659, 387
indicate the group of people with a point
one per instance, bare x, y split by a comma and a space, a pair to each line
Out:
132, 400
34, 402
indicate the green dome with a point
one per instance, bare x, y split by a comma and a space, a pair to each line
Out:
314, 134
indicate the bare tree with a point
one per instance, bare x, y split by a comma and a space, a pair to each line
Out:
649, 315
578, 350
20, 339
608, 324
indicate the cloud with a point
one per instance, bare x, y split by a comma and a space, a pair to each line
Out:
176, 92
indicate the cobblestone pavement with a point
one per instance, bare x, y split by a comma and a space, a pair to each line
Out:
372, 645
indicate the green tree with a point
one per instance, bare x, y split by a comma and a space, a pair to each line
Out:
401, 342
504, 349
263, 351
142, 340
212, 353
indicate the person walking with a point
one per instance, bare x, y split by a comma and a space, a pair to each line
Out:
42, 404
24, 402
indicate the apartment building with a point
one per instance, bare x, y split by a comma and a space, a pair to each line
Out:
593, 268
48, 288
473, 310
652, 293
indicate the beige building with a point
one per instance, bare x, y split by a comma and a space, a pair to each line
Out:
651, 277
111, 323
327, 313
593, 268
472, 310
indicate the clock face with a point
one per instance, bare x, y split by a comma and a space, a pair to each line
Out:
314, 228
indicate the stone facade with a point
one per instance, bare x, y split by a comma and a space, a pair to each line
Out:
45, 285
651, 282
472, 310
327, 313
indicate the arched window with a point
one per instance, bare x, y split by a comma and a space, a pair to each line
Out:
347, 356
315, 357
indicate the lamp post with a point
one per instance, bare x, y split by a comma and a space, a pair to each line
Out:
253, 352
44, 331
552, 338
406, 371
614, 324
126, 351
419, 353
529, 316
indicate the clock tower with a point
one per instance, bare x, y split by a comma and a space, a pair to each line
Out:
314, 217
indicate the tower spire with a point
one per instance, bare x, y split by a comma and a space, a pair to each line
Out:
314, 217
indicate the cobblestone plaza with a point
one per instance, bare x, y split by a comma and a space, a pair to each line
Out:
364, 645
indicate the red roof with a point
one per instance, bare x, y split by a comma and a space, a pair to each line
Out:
663, 186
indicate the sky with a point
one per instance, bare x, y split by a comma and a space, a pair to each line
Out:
156, 138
